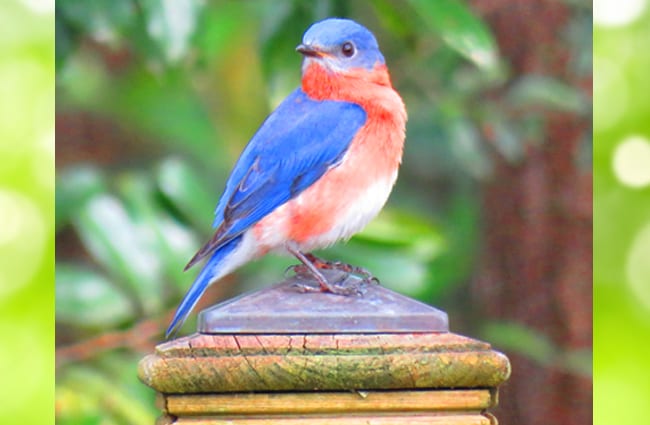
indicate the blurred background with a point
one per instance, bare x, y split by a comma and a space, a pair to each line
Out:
26, 211
491, 218
622, 211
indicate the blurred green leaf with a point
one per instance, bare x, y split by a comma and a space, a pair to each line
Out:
547, 92
456, 263
118, 243
217, 27
85, 298
167, 107
397, 247
391, 16
173, 243
470, 82
523, 340
280, 36
187, 191
66, 41
528, 342
104, 20
171, 24
84, 80
75, 407
178, 245
506, 138
580, 362
121, 366
520, 339
460, 29
395, 228
468, 149
73, 188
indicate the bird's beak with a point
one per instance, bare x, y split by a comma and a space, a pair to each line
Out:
310, 51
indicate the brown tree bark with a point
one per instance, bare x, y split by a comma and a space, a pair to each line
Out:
536, 265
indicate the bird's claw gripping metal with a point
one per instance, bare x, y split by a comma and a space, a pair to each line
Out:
342, 286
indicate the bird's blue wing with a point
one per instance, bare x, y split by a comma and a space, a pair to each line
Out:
293, 148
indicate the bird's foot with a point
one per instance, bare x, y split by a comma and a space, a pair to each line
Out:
343, 286
321, 264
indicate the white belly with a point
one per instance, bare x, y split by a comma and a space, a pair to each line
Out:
358, 214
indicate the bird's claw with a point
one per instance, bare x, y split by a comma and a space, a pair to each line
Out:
310, 270
319, 263
364, 273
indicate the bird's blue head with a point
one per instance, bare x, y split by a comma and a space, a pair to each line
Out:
340, 45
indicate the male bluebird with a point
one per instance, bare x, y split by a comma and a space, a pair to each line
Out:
318, 169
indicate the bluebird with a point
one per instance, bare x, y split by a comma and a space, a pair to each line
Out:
319, 168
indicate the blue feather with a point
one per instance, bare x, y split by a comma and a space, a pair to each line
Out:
294, 147
211, 270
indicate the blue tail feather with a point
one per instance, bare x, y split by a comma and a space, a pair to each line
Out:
212, 268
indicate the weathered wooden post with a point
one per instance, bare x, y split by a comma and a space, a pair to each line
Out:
279, 356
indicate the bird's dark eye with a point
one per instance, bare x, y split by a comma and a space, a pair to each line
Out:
347, 49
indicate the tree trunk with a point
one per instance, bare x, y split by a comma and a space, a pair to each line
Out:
536, 265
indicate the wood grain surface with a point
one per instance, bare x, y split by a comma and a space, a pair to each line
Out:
328, 402
241, 363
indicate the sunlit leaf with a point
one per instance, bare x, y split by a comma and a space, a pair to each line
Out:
85, 298
84, 80
171, 242
402, 229
121, 246
547, 92
460, 29
217, 27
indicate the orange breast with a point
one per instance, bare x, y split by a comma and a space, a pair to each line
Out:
374, 155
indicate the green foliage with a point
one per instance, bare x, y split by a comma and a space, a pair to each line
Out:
80, 290
522, 340
538, 91
460, 29
89, 396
